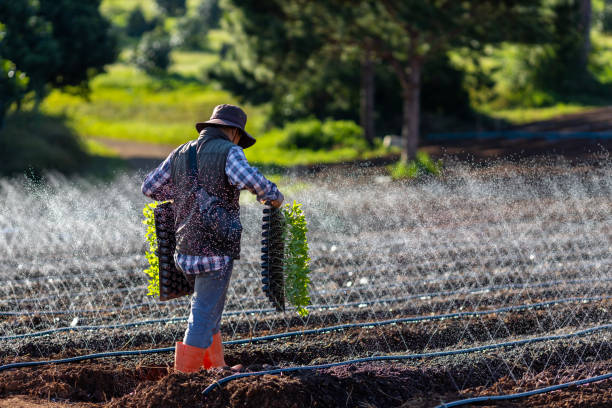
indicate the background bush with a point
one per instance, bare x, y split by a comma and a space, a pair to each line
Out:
316, 135
152, 54
172, 8
190, 34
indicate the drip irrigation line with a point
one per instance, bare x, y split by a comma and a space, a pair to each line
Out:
100, 327
456, 292
505, 397
319, 306
322, 329
265, 338
514, 343
289, 369
86, 357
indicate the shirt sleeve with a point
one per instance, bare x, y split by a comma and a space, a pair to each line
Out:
244, 177
158, 184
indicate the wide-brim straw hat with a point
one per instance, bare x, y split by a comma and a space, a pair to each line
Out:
229, 115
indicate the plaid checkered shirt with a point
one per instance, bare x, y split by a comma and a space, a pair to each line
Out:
158, 186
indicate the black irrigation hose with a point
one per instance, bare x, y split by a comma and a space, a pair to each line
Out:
323, 329
320, 306
270, 337
86, 357
224, 380
506, 397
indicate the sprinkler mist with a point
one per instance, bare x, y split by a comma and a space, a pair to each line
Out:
484, 256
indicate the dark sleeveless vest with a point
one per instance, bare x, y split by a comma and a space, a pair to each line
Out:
191, 238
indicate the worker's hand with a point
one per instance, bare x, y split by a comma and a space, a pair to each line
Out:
278, 202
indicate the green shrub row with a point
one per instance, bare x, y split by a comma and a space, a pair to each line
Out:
313, 134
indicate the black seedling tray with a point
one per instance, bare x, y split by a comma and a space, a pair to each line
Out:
272, 255
172, 281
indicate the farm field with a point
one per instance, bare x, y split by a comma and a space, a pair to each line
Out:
492, 280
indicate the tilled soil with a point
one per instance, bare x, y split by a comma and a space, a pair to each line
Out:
389, 384
149, 381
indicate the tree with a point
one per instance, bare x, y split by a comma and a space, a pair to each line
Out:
172, 8
585, 29
403, 34
12, 87
12, 83
56, 43
153, 52
137, 24
190, 33
606, 17
563, 67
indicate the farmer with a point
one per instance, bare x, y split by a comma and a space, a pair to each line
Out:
222, 170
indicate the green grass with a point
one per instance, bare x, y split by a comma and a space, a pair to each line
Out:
128, 104
192, 63
95, 148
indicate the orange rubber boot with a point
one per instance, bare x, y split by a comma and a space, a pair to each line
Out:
188, 359
215, 352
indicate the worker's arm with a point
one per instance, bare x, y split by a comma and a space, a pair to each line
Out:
243, 176
158, 184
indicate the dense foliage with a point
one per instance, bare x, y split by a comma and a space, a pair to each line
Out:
137, 24
172, 7
56, 43
190, 33
562, 67
316, 135
296, 262
210, 13
152, 54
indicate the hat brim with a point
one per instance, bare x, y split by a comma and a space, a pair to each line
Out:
245, 141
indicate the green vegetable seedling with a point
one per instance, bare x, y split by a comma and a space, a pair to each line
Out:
297, 261
153, 270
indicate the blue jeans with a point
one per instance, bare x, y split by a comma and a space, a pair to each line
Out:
207, 304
